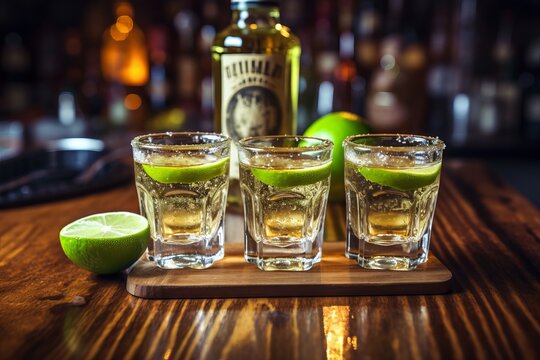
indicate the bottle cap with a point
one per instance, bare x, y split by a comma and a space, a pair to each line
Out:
235, 4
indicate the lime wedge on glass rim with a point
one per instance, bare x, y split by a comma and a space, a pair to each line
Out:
403, 179
292, 177
186, 173
105, 243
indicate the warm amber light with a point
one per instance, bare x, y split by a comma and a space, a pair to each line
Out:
414, 57
336, 328
124, 57
124, 24
132, 101
135, 70
253, 26
368, 53
346, 71
116, 34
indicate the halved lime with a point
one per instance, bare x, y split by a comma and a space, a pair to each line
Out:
186, 173
105, 243
404, 179
292, 177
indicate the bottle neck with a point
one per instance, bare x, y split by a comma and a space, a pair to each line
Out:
245, 16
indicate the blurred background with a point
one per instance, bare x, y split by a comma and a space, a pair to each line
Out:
467, 71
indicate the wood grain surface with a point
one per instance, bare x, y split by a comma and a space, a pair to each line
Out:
486, 233
335, 275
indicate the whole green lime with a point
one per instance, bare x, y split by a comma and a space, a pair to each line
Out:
105, 243
336, 127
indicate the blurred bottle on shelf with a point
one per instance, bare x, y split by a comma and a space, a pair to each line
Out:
463, 55
485, 111
367, 28
297, 14
345, 15
15, 70
495, 99
349, 86
186, 24
61, 115
385, 106
396, 95
306, 85
48, 69
508, 92
325, 57
209, 25
92, 103
125, 67
530, 83
441, 80
159, 87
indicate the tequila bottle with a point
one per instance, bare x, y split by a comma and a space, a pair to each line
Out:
255, 68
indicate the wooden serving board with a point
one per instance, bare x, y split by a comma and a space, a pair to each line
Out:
334, 276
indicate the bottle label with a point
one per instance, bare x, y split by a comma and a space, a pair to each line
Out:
253, 97
252, 94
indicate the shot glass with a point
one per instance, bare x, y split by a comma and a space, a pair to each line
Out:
182, 181
391, 186
284, 182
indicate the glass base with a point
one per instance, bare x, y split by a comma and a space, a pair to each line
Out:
284, 255
391, 252
390, 263
188, 261
285, 264
199, 254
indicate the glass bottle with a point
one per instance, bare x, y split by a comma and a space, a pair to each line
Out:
255, 69
125, 68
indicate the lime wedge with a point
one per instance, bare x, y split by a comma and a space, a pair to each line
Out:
292, 177
404, 179
185, 174
105, 243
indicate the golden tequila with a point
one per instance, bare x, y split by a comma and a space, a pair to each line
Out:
391, 202
284, 200
183, 196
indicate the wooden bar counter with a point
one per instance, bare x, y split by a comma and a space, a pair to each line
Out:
486, 233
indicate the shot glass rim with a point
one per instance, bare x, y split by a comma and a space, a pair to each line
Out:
325, 144
437, 144
223, 141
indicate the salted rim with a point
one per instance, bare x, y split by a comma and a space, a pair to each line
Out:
247, 144
434, 142
219, 140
